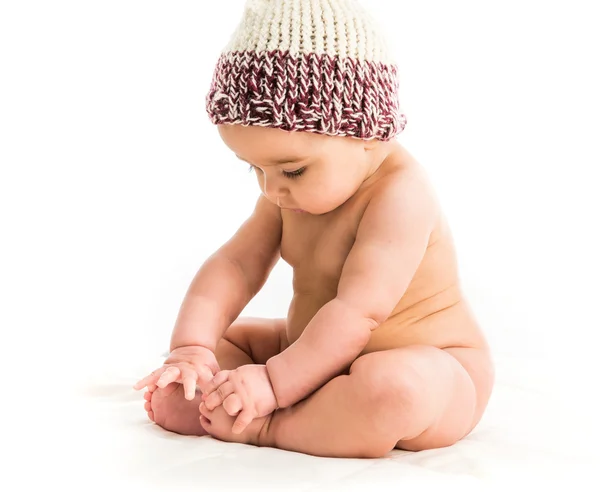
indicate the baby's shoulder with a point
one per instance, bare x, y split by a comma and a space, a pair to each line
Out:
404, 180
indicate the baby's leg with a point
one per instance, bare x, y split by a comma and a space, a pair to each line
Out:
246, 341
415, 397
251, 341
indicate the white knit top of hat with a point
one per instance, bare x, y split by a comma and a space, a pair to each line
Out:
333, 27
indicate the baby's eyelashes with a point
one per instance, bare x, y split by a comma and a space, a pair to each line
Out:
294, 174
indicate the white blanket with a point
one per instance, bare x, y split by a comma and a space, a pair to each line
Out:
522, 439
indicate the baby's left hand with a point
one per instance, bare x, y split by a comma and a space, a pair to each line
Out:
245, 392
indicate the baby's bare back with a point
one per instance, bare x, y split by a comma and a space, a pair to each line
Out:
433, 310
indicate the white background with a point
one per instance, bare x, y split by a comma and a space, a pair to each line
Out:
115, 187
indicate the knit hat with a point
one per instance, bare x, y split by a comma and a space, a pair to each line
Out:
319, 66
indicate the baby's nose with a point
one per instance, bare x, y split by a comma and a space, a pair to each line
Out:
274, 199
273, 190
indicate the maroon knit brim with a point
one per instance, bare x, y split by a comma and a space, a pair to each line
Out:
308, 92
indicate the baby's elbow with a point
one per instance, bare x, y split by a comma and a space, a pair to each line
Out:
354, 325
361, 332
371, 312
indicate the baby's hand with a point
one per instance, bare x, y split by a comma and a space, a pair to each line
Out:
245, 392
189, 366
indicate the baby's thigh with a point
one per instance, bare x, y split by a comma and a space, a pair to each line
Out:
259, 338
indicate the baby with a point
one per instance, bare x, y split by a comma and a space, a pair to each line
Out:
380, 349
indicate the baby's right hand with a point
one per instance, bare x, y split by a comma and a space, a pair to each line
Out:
190, 366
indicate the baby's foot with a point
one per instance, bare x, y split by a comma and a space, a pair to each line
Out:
168, 408
218, 424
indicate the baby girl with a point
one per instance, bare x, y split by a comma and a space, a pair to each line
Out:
380, 349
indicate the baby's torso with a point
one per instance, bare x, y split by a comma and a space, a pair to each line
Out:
432, 311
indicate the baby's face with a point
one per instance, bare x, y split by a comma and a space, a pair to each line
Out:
301, 170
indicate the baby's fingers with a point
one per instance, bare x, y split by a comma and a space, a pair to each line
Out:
189, 377
244, 419
150, 379
214, 383
170, 375
232, 404
205, 376
218, 396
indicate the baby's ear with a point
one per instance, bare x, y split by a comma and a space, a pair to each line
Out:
370, 144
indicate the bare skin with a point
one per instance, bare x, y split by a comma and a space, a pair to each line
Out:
424, 376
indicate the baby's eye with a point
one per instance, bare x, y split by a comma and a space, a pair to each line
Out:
294, 174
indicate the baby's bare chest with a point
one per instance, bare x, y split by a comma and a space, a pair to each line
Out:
317, 248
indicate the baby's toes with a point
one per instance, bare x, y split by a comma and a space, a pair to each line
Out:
217, 423
148, 408
205, 412
205, 416
148, 405
205, 423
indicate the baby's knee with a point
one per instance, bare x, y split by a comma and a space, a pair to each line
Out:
385, 385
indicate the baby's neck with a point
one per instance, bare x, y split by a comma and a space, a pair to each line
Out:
380, 154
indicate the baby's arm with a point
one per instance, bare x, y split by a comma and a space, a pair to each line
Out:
223, 286
390, 243
229, 279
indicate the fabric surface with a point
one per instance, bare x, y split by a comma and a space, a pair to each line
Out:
524, 437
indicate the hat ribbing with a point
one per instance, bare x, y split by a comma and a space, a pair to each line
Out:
308, 65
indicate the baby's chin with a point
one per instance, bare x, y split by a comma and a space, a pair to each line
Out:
321, 208
317, 208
